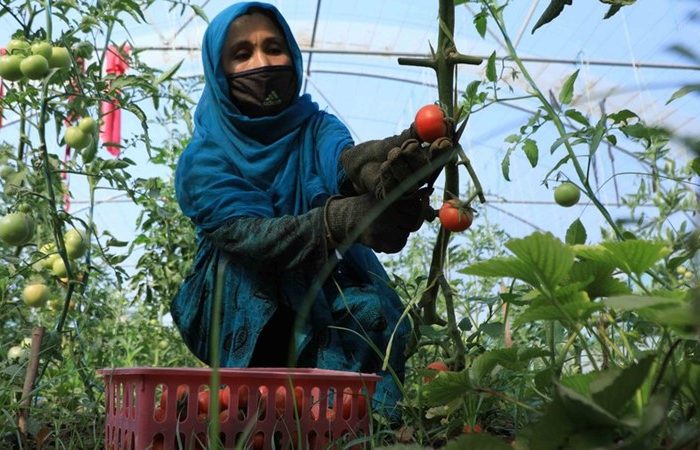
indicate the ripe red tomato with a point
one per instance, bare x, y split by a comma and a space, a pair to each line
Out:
455, 216
438, 366
430, 123
475, 429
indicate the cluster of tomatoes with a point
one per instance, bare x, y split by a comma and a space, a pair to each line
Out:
430, 124
260, 399
32, 61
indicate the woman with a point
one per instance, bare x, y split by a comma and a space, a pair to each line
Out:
274, 186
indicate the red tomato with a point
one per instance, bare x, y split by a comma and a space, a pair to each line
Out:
158, 442
203, 403
430, 123
258, 441
438, 366
454, 216
224, 396
475, 429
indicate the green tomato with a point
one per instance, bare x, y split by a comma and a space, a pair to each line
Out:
76, 138
88, 125
60, 58
75, 243
9, 67
16, 228
83, 49
19, 45
42, 48
59, 268
567, 194
35, 295
35, 67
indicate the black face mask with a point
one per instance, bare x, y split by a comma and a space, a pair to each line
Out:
264, 91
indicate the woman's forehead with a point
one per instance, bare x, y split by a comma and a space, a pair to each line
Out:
252, 22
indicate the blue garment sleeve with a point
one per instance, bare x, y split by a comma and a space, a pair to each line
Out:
274, 244
203, 196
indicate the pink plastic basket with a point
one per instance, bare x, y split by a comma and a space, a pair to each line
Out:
164, 408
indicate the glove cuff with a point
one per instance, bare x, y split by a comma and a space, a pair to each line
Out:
330, 238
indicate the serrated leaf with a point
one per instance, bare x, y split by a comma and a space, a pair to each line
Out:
583, 411
548, 257
614, 391
446, 387
477, 441
622, 116
575, 311
531, 151
637, 302
491, 68
502, 267
567, 91
552, 430
685, 90
553, 10
579, 382
576, 233
636, 256
577, 116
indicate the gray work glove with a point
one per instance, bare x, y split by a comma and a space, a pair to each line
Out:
389, 232
405, 161
362, 161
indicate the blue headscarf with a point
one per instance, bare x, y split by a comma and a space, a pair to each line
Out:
262, 167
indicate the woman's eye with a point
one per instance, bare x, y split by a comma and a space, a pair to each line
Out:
241, 56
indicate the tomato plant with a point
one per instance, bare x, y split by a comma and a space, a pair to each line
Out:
430, 123
455, 216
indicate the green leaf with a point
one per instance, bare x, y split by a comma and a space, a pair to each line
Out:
168, 74
576, 233
637, 302
597, 136
505, 165
445, 387
477, 441
552, 430
200, 12
576, 115
611, 11
491, 68
636, 256
583, 411
684, 91
480, 22
622, 116
695, 165
553, 10
574, 310
531, 151
613, 389
502, 267
567, 91
545, 255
